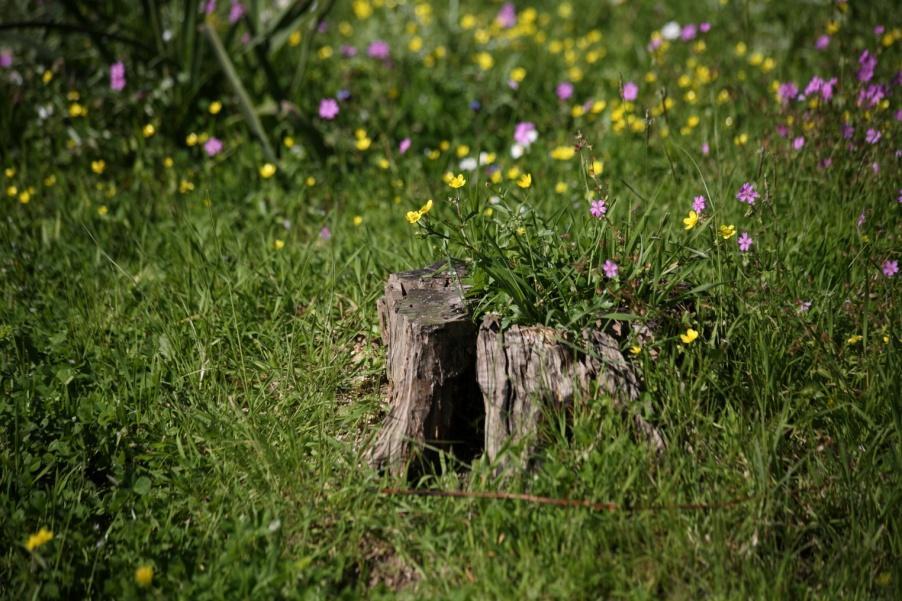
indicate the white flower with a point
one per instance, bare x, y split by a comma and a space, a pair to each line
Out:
468, 164
517, 151
671, 30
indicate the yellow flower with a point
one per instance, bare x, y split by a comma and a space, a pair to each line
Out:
415, 44
462, 151
288, 142
563, 153
854, 339
191, 139
413, 216
363, 143
168, 162
635, 349
310, 181
267, 170
9, 172
50, 181
496, 176
77, 110
215, 107
12, 191
144, 575
485, 61
488, 212
513, 172
185, 186
525, 180
98, 166
518, 74
383, 163
102, 210
521, 230
690, 221
48, 76
278, 244
357, 220
25, 197
560, 187
362, 9
457, 181
727, 231
39, 538
72, 95
294, 39
597, 168
689, 336
149, 130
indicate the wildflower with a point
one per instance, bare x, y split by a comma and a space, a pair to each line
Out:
872, 136
6, 59
77, 110
867, 63
705, 149
191, 139
379, 49
610, 269
215, 107
186, 186
457, 181
745, 242
358, 220
278, 244
149, 130
325, 233
25, 197
599, 208
822, 42
698, 204
630, 91
50, 181
507, 16
635, 349
9, 172
691, 220
117, 76
310, 181
213, 146
689, 337
525, 133
798, 143
288, 142
363, 141
563, 153
564, 90
597, 168
39, 538
267, 170
747, 194
12, 191
236, 12
98, 166
294, 39
102, 210
328, 108
727, 231
404, 146
560, 187
144, 575
525, 180
890, 268
854, 339
671, 30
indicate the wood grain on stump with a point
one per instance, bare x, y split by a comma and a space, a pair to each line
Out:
434, 402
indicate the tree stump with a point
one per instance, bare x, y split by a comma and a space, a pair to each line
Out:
431, 358
525, 371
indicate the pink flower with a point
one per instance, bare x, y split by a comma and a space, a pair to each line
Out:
6, 59
236, 12
688, 32
867, 62
213, 146
379, 50
348, 51
705, 149
890, 268
507, 16
698, 204
798, 143
525, 133
745, 242
630, 91
747, 194
787, 91
117, 76
598, 208
610, 269
872, 136
325, 233
328, 108
564, 90
705, 27
209, 6
404, 146
847, 131
822, 42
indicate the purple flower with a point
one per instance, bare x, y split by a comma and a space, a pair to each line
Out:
630, 91
867, 62
782, 130
747, 194
860, 221
872, 136
236, 12
209, 6
525, 133
826, 163
348, 51
847, 131
507, 16
787, 91
404, 146
875, 167
822, 42
610, 269
328, 108
878, 30
379, 50
343, 95
325, 233
698, 204
213, 146
871, 95
564, 90
117, 76
705, 149
705, 27
598, 208
827, 89
814, 86
890, 268
798, 143
688, 32
6, 59
745, 242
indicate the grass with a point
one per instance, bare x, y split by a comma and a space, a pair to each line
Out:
177, 392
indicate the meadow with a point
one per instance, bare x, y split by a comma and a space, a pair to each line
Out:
201, 202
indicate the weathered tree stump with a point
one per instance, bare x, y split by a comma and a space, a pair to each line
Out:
431, 350
525, 371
